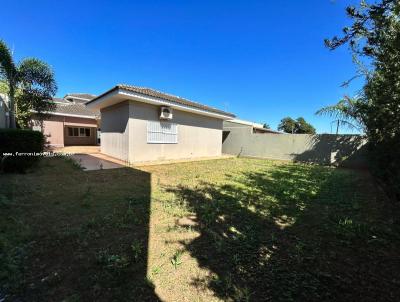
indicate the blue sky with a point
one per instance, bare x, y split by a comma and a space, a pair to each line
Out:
262, 60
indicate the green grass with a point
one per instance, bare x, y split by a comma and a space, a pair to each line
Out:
222, 230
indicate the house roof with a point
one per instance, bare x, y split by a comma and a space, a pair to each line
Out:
86, 96
248, 123
267, 130
163, 96
61, 100
258, 126
75, 109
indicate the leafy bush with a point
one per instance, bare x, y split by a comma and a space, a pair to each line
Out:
17, 141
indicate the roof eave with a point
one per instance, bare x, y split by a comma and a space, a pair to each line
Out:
95, 117
118, 94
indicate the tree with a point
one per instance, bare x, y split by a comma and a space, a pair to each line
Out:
374, 39
30, 84
3, 87
266, 126
298, 126
9, 73
345, 113
287, 125
303, 127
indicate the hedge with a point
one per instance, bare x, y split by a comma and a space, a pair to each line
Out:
14, 141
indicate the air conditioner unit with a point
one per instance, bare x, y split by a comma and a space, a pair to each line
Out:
166, 113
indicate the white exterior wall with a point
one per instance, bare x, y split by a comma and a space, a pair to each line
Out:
124, 134
198, 135
114, 140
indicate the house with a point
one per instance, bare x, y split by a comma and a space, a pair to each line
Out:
241, 127
141, 124
71, 123
235, 124
4, 112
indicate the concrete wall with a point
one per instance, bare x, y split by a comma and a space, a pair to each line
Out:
347, 150
114, 139
198, 135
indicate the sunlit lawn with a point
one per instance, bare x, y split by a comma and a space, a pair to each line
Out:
224, 230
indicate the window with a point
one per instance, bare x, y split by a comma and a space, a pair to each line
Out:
75, 131
160, 132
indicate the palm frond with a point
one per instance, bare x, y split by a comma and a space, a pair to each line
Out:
8, 69
346, 112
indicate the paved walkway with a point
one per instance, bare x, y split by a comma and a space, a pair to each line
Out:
90, 162
90, 158
78, 149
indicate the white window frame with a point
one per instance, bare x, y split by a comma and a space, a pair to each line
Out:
79, 131
149, 131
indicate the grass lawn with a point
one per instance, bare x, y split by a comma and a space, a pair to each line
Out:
222, 230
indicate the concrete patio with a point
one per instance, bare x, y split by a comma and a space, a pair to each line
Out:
77, 149
90, 158
97, 161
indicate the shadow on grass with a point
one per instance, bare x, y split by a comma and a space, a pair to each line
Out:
294, 233
77, 236
340, 150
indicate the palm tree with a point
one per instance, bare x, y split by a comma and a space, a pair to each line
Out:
9, 74
32, 78
345, 113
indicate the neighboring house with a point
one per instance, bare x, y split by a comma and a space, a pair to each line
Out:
4, 112
71, 123
140, 124
79, 98
236, 124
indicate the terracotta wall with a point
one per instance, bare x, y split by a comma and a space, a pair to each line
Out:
54, 128
80, 140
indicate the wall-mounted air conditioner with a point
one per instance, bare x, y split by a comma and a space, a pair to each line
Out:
166, 113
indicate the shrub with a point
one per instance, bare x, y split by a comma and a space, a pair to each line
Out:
385, 165
373, 38
17, 141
